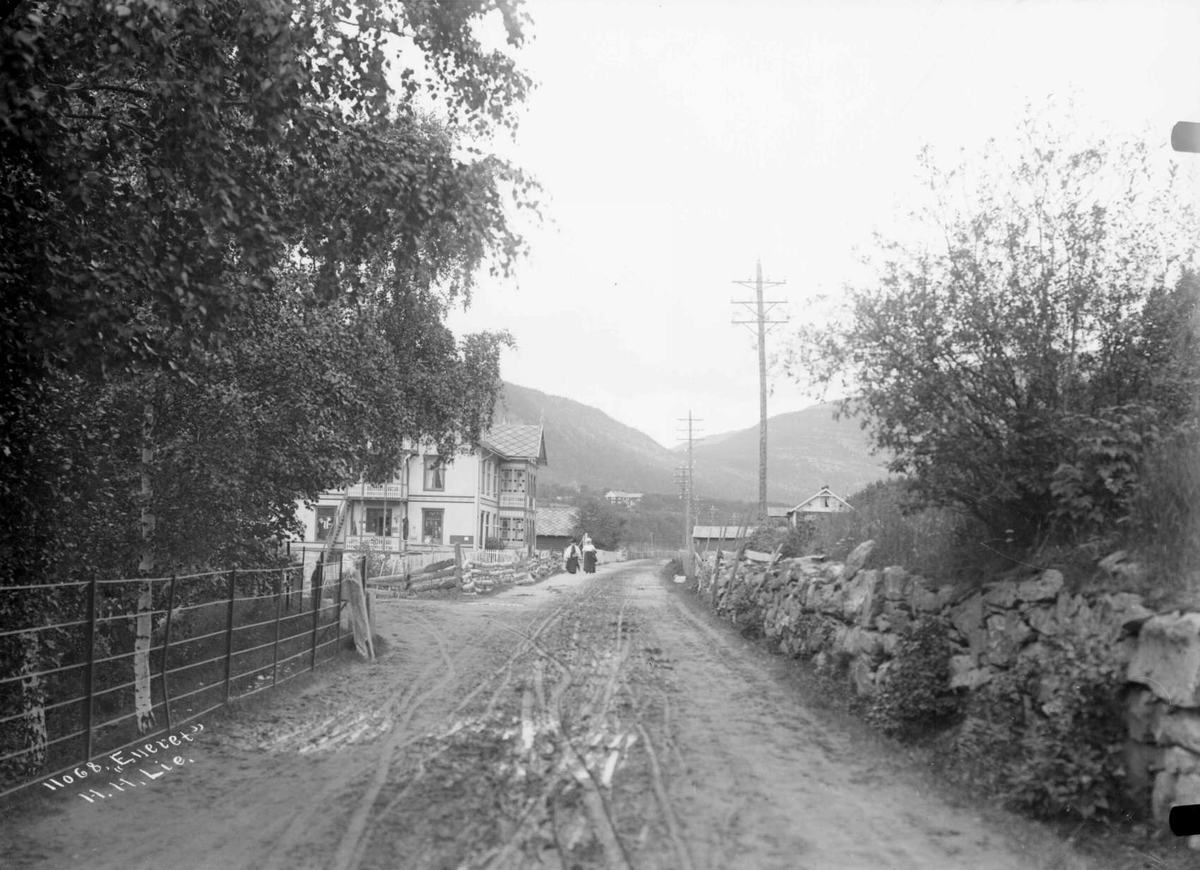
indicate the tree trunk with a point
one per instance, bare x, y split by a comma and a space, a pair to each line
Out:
143, 704
33, 702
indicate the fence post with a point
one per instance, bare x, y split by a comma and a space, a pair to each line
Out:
166, 646
89, 670
362, 576
278, 600
337, 646
229, 636
318, 584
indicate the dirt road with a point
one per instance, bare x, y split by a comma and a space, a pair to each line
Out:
591, 721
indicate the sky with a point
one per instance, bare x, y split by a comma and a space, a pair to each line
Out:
678, 143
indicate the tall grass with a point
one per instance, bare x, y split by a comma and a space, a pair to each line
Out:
1163, 528
930, 540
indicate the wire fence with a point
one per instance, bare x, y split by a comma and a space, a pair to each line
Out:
68, 688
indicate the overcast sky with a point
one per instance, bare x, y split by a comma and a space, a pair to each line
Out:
677, 142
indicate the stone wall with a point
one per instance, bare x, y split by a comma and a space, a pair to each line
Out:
829, 611
484, 576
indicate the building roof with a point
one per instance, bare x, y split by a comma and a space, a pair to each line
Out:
516, 441
729, 533
776, 511
827, 493
556, 520
616, 493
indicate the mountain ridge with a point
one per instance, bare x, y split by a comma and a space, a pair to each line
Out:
807, 449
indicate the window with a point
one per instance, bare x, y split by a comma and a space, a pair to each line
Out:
325, 517
435, 474
512, 480
512, 529
825, 501
431, 525
379, 522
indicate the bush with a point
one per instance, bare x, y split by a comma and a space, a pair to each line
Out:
493, 544
1052, 731
915, 698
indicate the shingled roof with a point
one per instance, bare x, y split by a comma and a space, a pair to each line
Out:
556, 520
516, 441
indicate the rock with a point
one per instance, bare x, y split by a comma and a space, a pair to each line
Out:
1109, 563
1167, 658
1126, 610
861, 642
888, 643
1143, 709
972, 679
857, 558
921, 598
1142, 763
1178, 782
895, 583
967, 617
862, 600
862, 677
1001, 596
1006, 634
960, 666
1044, 588
1037, 651
1177, 728
1043, 621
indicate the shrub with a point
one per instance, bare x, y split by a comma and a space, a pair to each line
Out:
1053, 731
493, 544
914, 698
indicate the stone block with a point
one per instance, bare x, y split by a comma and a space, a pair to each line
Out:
895, 582
1142, 763
1043, 620
862, 598
857, 558
967, 616
1006, 634
1177, 728
1042, 588
1178, 782
862, 677
1001, 596
923, 599
960, 666
1167, 658
1143, 709
888, 643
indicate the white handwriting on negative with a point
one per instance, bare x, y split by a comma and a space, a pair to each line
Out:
145, 767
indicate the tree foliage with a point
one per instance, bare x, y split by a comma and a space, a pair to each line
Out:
604, 523
244, 218
1019, 349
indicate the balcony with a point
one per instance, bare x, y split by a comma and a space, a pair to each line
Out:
516, 500
388, 491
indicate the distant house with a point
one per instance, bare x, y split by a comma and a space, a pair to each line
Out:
777, 515
627, 499
711, 537
554, 526
824, 502
435, 502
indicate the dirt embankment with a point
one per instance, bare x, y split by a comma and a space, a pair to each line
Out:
592, 721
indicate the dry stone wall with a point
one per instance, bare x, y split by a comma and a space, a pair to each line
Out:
830, 611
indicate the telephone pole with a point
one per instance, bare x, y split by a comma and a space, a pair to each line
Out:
685, 477
761, 309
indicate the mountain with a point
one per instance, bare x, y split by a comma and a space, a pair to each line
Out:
585, 446
806, 450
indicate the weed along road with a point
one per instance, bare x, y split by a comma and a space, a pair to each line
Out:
590, 721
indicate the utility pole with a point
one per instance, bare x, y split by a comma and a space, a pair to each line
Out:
685, 477
761, 309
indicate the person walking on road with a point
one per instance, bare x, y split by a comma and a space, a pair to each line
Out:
573, 552
589, 556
